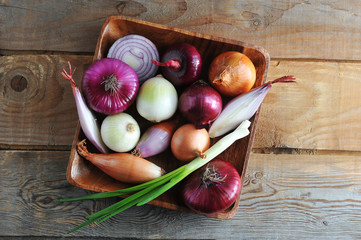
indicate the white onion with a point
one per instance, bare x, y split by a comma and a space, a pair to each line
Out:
157, 99
120, 132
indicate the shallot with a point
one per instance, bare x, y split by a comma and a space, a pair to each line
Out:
124, 167
155, 139
87, 119
242, 108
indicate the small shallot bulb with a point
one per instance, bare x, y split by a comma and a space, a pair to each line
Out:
232, 73
188, 142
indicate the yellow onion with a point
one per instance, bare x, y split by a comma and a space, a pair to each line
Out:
232, 73
188, 142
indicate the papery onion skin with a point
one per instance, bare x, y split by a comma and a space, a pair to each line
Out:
188, 142
200, 104
190, 64
232, 73
210, 197
137, 51
110, 86
157, 99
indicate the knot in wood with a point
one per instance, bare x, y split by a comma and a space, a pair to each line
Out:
19, 83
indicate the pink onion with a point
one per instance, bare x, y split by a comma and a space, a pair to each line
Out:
138, 52
155, 139
200, 104
212, 188
87, 119
110, 86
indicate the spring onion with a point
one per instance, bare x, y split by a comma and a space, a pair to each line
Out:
152, 189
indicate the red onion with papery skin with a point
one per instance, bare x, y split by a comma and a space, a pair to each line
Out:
181, 64
110, 86
213, 188
136, 51
200, 104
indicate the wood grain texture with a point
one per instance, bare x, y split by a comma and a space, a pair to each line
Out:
287, 29
321, 111
285, 196
37, 104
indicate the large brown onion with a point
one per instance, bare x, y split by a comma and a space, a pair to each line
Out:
232, 73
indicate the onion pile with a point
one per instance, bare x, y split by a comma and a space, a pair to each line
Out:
112, 84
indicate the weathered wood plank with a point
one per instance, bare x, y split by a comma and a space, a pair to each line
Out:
288, 29
37, 104
321, 111
286, 196
39, 109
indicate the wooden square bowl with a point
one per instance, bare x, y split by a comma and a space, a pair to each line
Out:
83, 174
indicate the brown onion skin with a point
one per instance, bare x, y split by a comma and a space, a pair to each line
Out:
213, 197
232, 73
123, 167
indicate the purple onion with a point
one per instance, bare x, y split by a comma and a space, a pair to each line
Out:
110, 86
200, 104
138, 52
181, 64
212, 188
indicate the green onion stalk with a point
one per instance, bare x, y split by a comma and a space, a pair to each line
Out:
150, 190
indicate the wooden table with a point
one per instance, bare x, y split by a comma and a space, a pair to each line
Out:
304, 176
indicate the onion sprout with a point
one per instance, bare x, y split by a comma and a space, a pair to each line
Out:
150, 190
